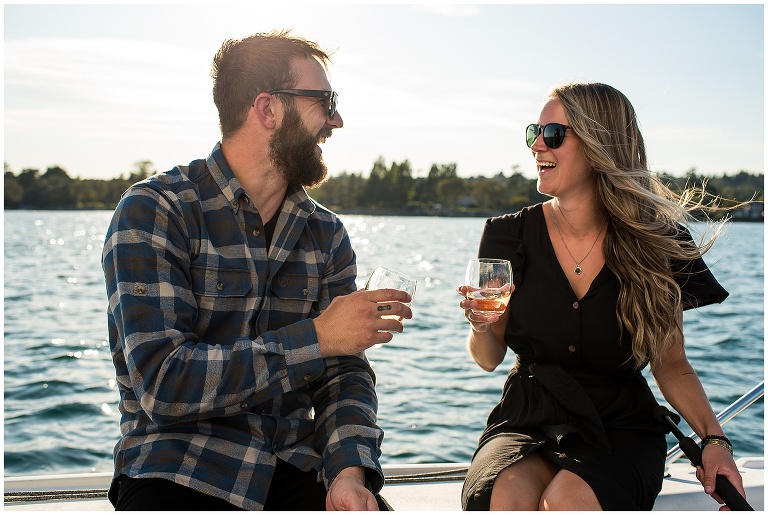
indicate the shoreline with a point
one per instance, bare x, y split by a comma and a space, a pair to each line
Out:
735, 216
752, 216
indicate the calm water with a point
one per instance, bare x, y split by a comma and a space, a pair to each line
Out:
60, 395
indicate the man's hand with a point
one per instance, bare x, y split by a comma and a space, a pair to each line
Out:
348, 492
354, 322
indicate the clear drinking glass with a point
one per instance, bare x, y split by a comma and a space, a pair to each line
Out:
489, 282
385, 277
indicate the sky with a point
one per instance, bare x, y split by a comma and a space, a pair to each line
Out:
96, 88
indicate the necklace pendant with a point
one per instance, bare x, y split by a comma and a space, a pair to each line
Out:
577, 270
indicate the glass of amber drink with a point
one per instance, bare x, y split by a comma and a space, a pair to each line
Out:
489, 284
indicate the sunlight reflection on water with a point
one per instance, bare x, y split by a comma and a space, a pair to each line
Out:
60, 394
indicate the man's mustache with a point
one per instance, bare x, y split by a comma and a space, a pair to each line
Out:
324, 134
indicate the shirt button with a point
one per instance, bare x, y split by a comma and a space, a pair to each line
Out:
141, 289
244, 406
575, 305
219, 286
307, 377
256, 232
572, 348
305, 292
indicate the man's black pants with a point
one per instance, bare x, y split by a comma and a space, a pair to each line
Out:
291, 490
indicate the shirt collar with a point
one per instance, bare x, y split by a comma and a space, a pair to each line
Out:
296, 197
222, 174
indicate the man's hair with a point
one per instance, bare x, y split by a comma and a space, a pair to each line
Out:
243, 68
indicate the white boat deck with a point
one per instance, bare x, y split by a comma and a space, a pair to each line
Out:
681, 490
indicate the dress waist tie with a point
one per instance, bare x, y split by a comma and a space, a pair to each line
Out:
574, 399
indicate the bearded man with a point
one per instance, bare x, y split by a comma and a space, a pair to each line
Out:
235, 325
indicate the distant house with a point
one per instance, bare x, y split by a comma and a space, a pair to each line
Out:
754, 212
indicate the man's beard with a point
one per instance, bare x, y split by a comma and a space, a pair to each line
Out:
292, 150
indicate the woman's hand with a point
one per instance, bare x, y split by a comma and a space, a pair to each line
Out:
717, 460
480, 323
485, 342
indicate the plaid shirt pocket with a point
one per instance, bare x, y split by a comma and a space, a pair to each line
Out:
292, 299
219, 294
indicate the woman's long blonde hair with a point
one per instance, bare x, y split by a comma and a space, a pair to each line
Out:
645, 216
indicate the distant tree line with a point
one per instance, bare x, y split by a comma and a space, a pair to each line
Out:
394, 189
55, 189
386, 189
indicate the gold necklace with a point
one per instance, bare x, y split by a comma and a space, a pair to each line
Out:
578, 269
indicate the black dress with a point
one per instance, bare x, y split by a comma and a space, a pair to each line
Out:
574, 393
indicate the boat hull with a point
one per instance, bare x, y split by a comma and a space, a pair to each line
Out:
428, 487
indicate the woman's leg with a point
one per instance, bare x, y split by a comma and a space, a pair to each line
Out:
568, 492
521, 485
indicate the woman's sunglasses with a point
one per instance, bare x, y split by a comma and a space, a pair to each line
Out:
553, 134
331, 97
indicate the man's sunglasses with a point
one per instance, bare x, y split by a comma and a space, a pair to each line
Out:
553, 134
331, 96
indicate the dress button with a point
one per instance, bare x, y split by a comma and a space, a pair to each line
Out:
256, 232
219, 286
575, 305
572, 348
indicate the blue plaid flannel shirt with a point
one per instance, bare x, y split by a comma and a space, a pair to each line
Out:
216, 355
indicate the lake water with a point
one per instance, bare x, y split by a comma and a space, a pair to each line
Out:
60, 403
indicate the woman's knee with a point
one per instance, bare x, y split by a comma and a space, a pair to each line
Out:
521, 485
568, 492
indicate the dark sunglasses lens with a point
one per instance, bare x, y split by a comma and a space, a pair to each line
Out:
332, 105
553, 135
531, 133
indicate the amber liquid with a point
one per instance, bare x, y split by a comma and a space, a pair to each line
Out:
489, 302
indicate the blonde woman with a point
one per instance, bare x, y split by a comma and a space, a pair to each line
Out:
602, 273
